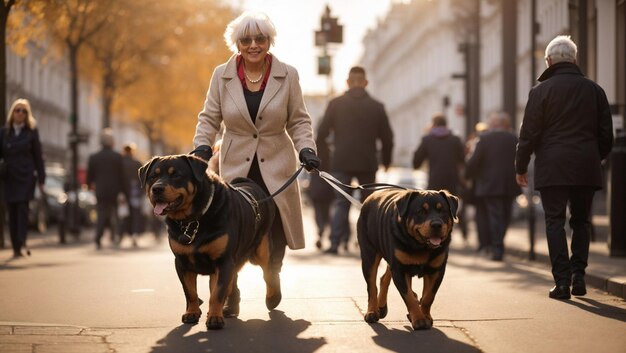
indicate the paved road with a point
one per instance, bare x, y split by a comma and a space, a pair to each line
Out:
74, 299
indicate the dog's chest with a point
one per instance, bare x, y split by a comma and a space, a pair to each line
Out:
200, 255
419, 262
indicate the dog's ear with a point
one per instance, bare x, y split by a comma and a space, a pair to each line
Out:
144, 170
404, 203
198, 166
453, 204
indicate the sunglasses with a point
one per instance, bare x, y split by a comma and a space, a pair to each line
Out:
20, 110
259, 39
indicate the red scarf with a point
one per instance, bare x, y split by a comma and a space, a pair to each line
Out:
242, 74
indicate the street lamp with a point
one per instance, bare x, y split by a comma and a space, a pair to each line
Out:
331, 32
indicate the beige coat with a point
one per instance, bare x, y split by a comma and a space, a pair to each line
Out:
282, 129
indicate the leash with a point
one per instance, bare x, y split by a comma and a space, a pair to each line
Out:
337, 185
285, 185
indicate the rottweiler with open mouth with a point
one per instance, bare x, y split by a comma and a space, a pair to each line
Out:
214, 228
411, 230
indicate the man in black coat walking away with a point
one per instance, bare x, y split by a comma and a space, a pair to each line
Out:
445, 154
567, 125
357, 122
492, 170
105, 175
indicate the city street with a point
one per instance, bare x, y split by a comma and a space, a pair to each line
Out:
73, 298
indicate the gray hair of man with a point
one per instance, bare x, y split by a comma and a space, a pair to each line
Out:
249, 24
561, 49
106, 137
499, 121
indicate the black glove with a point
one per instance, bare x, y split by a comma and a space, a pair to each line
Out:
205, 152
309, 159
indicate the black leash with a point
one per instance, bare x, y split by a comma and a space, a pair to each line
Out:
285, 185
336, 184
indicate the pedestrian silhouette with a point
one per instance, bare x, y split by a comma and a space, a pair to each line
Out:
493, 172
23, 168
445, 154
105, 175
133, 223
321, 195
357, 123
568, 126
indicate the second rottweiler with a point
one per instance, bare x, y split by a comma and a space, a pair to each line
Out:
214, 228
410, 229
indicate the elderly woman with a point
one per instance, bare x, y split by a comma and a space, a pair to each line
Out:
259, 101
20, 148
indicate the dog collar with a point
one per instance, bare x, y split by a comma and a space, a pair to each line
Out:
194, 225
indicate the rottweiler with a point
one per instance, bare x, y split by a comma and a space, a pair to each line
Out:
214, 228
411, 230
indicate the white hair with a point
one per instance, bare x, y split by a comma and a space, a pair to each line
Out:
249, 24
562, 48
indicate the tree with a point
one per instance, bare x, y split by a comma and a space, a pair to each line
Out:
4, 16
166, 99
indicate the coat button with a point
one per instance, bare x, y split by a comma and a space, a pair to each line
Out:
262, 159
247, 159
260, 118
254, 136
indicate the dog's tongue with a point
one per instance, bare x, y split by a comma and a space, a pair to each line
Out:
159, 208
434, 240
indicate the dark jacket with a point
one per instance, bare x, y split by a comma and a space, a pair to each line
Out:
358, 121
24, 163
492, 167
105, 170
567, 124
445, 154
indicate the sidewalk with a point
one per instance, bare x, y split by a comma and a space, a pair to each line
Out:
603, 272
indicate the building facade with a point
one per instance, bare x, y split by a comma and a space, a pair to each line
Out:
468, 58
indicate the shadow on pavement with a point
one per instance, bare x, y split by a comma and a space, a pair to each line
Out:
277, 335
598, 308
405, 341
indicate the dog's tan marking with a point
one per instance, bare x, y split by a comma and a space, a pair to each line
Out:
438, 261
216, 306
180, 249
157, 170
426, 206
216, 247
405, 258
439, 206
372, 291
385, 280
190, 284
261, 255
171, 170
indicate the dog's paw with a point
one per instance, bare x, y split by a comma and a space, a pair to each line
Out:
191, 318
422, 324
382, 312
371, 317
215, 323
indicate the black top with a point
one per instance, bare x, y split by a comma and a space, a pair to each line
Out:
253, 101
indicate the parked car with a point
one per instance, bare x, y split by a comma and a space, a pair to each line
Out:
51, 207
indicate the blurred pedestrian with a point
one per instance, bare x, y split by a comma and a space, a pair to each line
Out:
358, 122
133, 223
445, 154
321, 195
105, 175
259, 101
469, 197
492, 170
567, 125
21, 150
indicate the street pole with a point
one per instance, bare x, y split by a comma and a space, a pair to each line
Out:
531, 180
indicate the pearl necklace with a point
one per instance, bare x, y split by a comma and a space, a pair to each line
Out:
251, 80
258, 79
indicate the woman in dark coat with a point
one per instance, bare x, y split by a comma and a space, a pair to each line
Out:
20, 149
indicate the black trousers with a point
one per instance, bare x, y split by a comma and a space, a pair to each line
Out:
107, 218
18, 224
555, 201
278, 239
340, 223
498, 215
